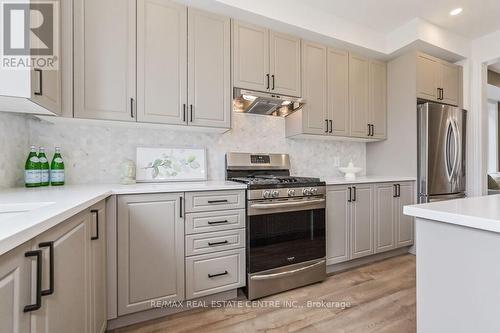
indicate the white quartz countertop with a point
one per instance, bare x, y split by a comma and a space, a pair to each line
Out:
367, 180
26, 213
476, 212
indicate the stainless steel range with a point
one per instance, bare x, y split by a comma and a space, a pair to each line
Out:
285, 223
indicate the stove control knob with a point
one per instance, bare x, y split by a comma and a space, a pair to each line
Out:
266, 194
314, 191
275, 193
291, 193
306, 191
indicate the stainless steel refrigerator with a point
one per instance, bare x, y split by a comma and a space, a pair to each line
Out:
441, 152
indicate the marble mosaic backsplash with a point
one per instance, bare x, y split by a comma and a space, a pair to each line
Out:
94, 153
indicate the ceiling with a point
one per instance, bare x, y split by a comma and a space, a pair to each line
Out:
495, 67
477, 19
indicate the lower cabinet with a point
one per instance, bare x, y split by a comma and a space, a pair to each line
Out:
55, 282
364, 219
150, 250
15, 286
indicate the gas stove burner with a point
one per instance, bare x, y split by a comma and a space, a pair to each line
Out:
271, 180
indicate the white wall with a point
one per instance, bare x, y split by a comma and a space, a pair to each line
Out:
14, 144
484, 50
94, 153
492, 136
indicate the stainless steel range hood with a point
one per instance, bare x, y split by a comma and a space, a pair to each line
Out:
270, 104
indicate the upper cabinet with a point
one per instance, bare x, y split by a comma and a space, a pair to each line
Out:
161, 62
314, 88
209, 69
378, 99
345, 95
438, 80
264, 60
359, 95
338, 91
181, 57
36, 89
104, 59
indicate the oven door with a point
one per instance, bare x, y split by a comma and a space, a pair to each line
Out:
284, 233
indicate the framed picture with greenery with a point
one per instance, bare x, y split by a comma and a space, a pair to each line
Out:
171, 164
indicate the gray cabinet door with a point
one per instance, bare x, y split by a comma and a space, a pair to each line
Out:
104, 59
337, 224
314, 88
150, 250
284, 64
404, 224
250, 56
338, 91
362, 221
69, 305
428, 74
209, 70
161, 62
378, 98
450, 80
98, 308
46, 84
15, 287
359, 95
385, 217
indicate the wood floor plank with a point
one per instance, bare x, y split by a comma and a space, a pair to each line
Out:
381, 295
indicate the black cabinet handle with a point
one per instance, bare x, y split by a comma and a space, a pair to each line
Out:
267, 78
399, 190
216, 201
326, 123
40, 80
180, 206
369, 130
395, 193
191, 112
350, 194
131, 107
184, 112
331, 126
218, 274
96, 212
355, 194
38, 303
218, 243
273, 82
50, 245
218, 222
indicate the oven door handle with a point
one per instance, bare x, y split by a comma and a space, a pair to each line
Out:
287, 273
285, 204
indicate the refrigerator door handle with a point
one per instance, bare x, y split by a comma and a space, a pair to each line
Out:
447, 158
458, 150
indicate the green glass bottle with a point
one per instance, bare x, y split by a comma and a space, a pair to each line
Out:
44, 168
57, 169
32, 172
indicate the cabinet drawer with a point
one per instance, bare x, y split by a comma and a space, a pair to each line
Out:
212, 273
214, 241
215, 221
214, 200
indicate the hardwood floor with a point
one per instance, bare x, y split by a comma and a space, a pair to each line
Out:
381, 297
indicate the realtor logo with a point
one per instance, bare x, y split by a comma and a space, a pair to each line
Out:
29, 34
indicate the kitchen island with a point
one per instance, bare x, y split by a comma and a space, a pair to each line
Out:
458, 265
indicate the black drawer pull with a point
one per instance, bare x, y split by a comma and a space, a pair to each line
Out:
217, 201
218, 222
38, 302
50, 245
219, 274
96, 212
218, 243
